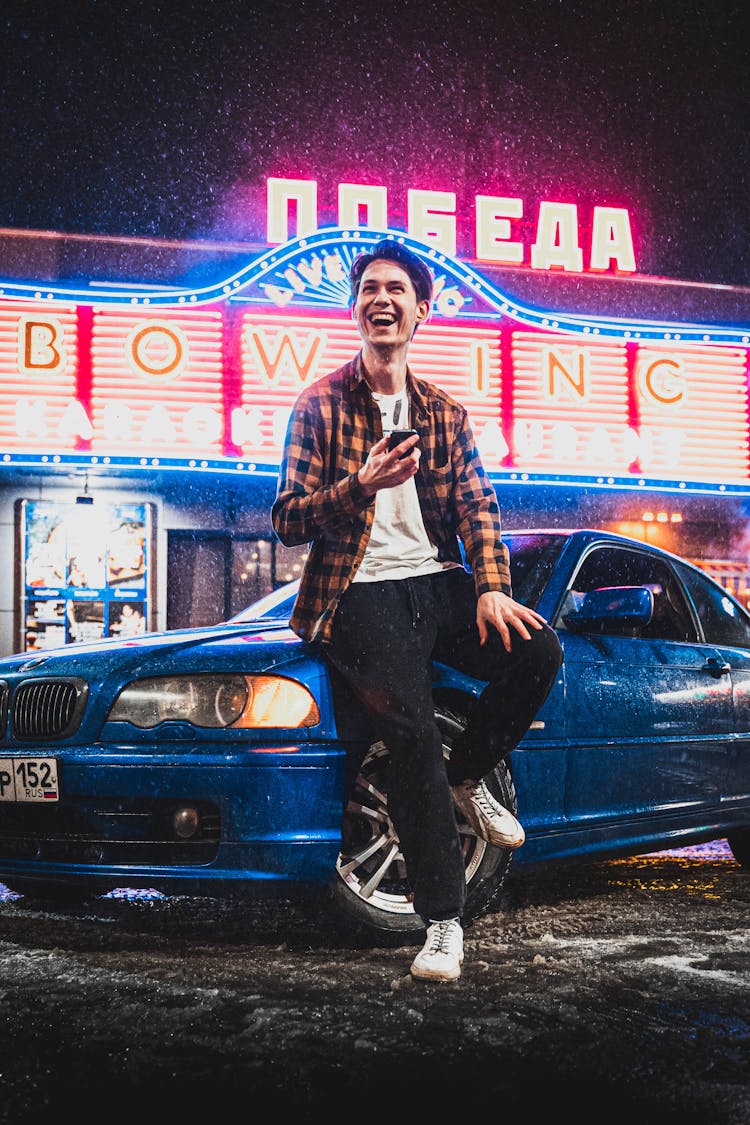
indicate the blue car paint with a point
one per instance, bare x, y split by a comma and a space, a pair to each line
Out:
638, 746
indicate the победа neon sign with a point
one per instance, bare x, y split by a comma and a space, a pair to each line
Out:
431, 219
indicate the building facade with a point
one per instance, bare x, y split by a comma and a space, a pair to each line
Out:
146, 388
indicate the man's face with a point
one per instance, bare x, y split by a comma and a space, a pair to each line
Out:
387, 311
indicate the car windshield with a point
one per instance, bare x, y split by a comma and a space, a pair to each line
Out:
276, 605
532, 559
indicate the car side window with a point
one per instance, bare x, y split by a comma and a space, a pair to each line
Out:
723, 619
617, 566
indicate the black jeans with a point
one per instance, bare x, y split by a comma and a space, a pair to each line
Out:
385, 635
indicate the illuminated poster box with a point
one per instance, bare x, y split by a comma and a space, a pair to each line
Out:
86, 571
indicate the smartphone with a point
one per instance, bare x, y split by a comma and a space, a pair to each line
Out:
397, 436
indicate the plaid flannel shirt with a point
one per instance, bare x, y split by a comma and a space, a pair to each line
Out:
319, 499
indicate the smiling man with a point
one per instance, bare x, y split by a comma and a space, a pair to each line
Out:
386, 589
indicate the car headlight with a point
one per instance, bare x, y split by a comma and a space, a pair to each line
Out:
212, 700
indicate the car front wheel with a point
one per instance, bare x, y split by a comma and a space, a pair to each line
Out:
369, 892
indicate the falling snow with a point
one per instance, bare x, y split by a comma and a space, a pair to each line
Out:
166, 119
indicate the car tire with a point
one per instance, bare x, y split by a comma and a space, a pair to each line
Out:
368, 896
739, 842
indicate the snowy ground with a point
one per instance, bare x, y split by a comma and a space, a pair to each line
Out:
611, 992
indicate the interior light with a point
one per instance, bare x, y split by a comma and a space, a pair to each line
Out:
662, 517
647, 517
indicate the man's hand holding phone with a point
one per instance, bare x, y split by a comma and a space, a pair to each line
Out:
382, 469
396, 437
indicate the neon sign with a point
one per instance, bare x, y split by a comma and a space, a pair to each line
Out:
537, 400
206, 377
312, 271
431, 219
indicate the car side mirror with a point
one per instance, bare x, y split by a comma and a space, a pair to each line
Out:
612, 609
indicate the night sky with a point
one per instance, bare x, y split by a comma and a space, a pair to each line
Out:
164, 119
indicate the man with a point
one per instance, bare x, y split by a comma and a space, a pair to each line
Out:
385, 588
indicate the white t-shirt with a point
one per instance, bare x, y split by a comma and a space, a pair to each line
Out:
398, 546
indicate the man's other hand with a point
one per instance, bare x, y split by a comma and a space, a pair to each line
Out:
499, 611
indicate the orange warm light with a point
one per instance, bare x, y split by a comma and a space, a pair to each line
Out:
157, 381
662, 517
276, 702
283, 353
35, 364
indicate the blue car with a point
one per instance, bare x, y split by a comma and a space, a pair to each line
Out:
215, 760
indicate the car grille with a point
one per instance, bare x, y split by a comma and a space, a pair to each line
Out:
47, 708
108, 831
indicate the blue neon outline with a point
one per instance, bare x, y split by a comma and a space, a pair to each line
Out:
270, 263
246, 466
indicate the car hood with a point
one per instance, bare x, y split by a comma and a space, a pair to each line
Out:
250, 646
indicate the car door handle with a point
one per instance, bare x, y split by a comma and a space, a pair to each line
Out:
716, 667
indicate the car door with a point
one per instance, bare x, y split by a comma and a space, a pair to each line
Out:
649, 712
726, 624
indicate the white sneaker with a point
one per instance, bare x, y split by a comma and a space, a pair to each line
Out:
441, 956
487, 817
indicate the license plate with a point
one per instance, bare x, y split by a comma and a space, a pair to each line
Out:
28, 779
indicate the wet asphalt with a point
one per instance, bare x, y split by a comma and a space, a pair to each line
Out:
605, 992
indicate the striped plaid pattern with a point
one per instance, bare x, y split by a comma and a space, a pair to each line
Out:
320, 501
